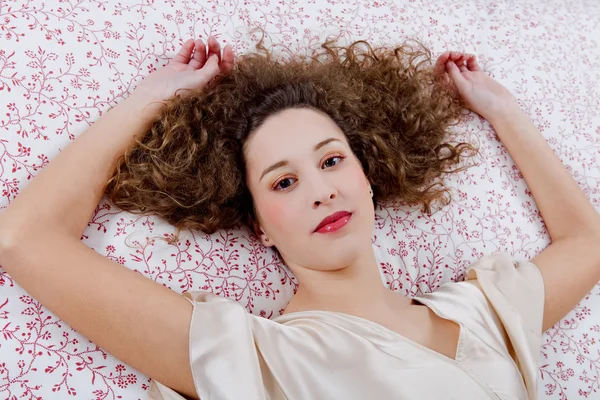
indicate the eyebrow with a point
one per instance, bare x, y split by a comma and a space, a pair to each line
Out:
285, 162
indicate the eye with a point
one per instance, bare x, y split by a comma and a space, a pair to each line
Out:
328, 162
282, 184
287, 182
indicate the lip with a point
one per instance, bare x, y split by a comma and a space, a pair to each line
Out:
329, 220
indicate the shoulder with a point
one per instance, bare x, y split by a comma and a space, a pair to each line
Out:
464, 302
497, 287
511, 286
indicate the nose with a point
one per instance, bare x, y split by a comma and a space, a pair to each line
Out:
323, 192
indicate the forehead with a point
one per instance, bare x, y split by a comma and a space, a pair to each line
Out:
288, 135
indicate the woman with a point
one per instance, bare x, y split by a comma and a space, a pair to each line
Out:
299, 170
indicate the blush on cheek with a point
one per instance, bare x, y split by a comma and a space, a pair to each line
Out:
358, 176
276, 214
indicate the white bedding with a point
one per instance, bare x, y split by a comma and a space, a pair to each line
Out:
61, 64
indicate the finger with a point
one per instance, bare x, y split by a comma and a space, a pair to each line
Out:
214, 47
454, 72
185, 52
228, 60
460, 62
208, 72
472, 63
199, 55
440, 66
443, 58
456, 55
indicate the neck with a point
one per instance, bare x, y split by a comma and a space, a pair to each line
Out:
356, 289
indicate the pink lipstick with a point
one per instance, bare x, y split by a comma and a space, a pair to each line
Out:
334, 222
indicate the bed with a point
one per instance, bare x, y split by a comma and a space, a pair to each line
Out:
63, 64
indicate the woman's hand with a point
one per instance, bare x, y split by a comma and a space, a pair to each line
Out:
479, 92
192, 68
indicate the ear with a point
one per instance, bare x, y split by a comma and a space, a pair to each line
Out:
262, 236
264, 239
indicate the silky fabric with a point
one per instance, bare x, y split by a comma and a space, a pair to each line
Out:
329, 355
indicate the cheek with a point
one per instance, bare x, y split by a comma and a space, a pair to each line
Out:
358, 177
277, 213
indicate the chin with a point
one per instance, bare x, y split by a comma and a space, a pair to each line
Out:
343, 255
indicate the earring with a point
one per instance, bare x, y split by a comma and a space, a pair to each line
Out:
371, 192
266, 239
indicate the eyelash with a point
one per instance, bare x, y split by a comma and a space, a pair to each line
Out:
276, 184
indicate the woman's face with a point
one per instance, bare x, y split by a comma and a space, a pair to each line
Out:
300, 170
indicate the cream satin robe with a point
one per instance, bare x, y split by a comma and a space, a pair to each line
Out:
313, 355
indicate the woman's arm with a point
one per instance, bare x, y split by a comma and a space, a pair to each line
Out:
566, 211
63, 196
570, 265
135, 319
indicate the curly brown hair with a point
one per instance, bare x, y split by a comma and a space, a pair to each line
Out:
189, 169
